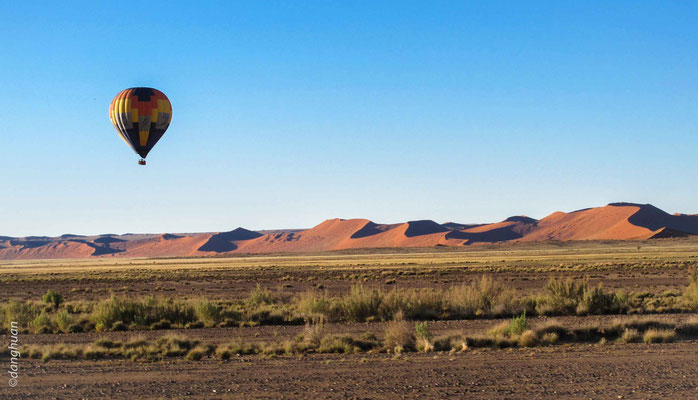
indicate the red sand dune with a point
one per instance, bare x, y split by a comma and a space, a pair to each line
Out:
616, 221
56, 249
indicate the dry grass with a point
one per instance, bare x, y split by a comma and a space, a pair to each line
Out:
630, 336
528, 338
691, 292
399, 336
659, 336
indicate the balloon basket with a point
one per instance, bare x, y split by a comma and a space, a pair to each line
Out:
141, 161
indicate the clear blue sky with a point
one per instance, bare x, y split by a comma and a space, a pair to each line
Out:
288, 113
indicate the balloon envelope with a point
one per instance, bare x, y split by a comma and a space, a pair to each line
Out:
141, 116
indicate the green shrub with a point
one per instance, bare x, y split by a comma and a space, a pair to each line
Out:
424, 337
596, 301
563, 296
338, 344
53, 298
22, 313
237, 348
260, 296
518, 325
208, 312
42, 323
691, 292
63, 320
570, 297
512, 328
140, 312
361, 304
311, 304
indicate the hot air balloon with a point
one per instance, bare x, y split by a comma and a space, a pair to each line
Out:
141, 116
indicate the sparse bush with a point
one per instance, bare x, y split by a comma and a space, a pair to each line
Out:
551, 326
424, 304
196, 354
260, 296
119, 326
596, 301
236, 348
690, 327
528, 338
53, 298
311, 304
659, 336
140, 313
691, 292
63, 321
518, 325
424, 337
564, 297
162, 324
107, 343
506, 333
361, 304
641, 324
42, 323
94, 353
398, 336
483, 297
315, 331
22, 313
338, 344
630, 336
549, 338
208, 312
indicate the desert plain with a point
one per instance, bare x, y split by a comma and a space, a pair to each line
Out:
577, 319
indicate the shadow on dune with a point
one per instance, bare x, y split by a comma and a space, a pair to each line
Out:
455, 226
423, 227
103, 250
522, 219
108, 240
370, 229
494, 235
223, 242
29, 244
652, 218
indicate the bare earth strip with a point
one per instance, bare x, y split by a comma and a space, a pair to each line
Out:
580, 371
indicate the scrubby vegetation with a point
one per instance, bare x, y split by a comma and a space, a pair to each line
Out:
398, 337
691, 292
483, 298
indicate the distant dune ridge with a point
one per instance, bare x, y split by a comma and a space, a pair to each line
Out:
616, 221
